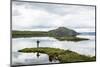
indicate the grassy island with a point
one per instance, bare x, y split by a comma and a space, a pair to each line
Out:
64, 56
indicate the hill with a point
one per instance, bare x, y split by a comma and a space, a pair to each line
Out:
62, 31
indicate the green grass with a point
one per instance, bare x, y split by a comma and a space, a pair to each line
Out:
16, 34
63, 56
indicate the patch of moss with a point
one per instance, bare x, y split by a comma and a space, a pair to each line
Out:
63, 56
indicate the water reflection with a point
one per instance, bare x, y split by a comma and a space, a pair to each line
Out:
37, 54
82, 47
32, 58
51, 58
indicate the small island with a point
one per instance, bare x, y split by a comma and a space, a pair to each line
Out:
64, 56
61, 33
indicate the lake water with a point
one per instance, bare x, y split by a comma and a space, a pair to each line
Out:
86, 47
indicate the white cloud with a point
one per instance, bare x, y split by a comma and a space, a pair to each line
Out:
38, 16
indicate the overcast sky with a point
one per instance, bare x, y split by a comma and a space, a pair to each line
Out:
42, 16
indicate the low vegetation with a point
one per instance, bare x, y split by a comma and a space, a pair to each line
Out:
63, 56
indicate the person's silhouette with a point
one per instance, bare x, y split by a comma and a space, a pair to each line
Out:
38, 43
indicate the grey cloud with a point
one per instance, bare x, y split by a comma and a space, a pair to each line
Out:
56, 8
71, 15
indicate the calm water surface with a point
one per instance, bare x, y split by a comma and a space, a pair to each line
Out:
86, 47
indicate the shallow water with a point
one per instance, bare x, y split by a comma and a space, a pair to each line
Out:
86, 47
31, 58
